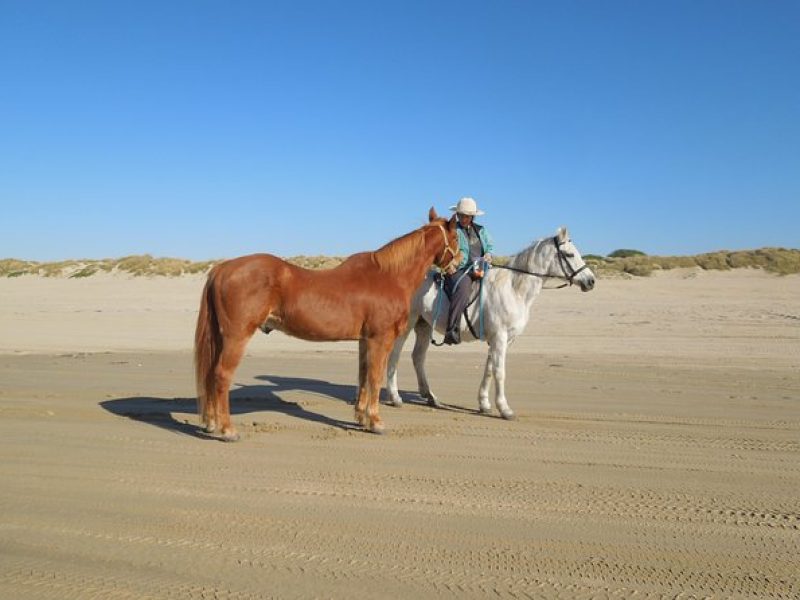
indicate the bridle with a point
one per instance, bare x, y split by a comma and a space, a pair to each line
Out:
447, 249
570, 273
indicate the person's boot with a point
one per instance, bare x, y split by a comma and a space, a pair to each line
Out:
452, 337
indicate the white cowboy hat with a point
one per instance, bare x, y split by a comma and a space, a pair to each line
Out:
467, 206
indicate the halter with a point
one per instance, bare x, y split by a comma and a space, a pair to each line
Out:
569, 275
447, 248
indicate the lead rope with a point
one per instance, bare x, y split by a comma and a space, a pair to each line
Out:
479, 298
436, 310
486, 268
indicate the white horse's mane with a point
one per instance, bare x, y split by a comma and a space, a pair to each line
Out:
524, 259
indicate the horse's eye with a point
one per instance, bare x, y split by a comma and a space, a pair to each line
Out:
569, 254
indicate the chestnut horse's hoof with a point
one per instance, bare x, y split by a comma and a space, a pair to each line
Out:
377, 428
230, 437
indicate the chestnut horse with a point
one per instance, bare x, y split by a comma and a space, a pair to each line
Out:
366, 298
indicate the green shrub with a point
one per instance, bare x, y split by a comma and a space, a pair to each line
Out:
625, 253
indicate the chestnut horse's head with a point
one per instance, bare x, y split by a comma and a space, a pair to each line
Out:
451, 255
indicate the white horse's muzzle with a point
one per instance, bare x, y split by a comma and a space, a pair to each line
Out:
586, 280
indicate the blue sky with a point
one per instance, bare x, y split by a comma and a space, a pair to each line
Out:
209, 129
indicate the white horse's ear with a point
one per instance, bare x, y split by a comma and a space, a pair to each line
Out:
432, 216
562, 234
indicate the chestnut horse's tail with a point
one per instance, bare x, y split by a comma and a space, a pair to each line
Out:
207, 348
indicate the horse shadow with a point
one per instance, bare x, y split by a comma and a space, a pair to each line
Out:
179, 415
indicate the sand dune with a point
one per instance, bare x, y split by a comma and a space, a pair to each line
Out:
656, 453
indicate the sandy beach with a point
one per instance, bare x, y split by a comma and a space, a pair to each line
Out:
656, 453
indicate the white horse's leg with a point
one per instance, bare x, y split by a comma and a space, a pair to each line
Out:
422, 340
498, 358
391, 369
483, 392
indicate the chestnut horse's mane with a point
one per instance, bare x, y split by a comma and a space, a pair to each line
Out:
396, 255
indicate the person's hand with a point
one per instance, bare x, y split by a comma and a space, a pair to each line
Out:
488, 258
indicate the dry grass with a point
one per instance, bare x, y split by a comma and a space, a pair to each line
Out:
781, 261
140, 265
316, 262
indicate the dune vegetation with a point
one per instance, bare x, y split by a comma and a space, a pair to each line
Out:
624, 262
136, 265
781, 261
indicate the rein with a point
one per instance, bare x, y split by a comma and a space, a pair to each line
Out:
569, 273
542, 275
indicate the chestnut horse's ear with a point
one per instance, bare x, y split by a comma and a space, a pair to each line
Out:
432, 216
451, 224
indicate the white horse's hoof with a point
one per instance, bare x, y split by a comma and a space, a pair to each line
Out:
396, 402
508, 415
484, 410
431, 398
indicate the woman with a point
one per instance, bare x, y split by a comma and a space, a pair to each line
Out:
474, 242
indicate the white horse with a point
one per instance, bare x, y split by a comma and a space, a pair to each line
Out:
508, 294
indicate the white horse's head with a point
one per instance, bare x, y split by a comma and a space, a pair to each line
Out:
568, 263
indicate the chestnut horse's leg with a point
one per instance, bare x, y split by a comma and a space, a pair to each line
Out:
361, 392
208, 416
378, 349
232, 351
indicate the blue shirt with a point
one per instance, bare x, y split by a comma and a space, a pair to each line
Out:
463, 244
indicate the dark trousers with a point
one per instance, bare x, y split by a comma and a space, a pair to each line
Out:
459, 297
